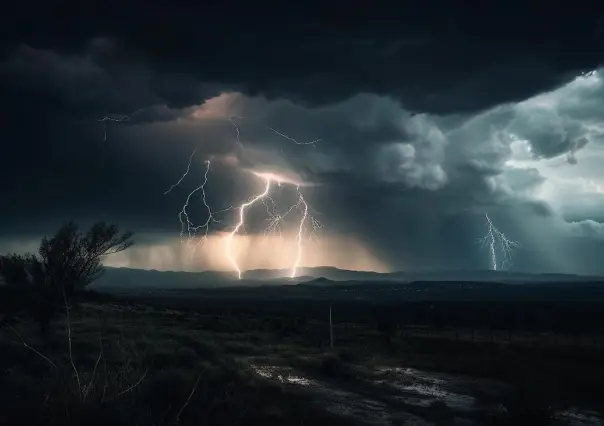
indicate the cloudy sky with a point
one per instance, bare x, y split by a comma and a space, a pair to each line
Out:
428, 119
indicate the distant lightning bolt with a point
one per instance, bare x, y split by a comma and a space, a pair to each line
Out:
185, 222
275, 131
115, 119
230, 119
183, 216
211, 215
238, 133
313, 142
185, 174
496, 241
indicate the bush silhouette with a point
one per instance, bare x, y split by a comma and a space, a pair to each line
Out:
65, 264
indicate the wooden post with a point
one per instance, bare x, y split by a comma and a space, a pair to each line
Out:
330, 327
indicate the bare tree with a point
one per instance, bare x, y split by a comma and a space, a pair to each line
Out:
72, 260
65, 264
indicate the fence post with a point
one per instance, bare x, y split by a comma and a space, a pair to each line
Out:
330, 327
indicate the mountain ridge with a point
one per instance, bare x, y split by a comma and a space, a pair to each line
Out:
326, 276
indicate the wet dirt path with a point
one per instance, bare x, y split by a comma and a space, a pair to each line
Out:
407, 396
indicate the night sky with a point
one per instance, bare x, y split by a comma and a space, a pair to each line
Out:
429, 117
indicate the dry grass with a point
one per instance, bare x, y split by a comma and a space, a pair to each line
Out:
110, 364
120, 364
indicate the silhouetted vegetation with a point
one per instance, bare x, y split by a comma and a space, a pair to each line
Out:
65, 264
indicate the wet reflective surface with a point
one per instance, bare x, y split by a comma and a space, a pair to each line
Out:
396, 396
335, 399
577, 417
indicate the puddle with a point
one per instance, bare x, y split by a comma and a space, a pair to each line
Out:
427, 395
338, 401
576, 417
281, 374
424, 389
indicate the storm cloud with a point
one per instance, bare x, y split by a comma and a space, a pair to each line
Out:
422, 124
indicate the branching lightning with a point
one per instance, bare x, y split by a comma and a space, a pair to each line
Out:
498, 243
185, 222
313, 143
115, 119
275, 218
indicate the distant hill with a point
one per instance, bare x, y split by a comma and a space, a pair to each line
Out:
124, 278
336, 274
320, 281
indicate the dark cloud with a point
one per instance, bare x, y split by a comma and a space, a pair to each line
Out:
79, 85
435, 59
428, 118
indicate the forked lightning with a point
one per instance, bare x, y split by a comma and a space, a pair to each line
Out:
242, 208
275, 219
498, 244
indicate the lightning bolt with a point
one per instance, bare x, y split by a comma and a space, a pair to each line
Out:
115, 119
302, 201
237, 131
242, 208
496, 241
275, 218
230, 119
185, 174
313, 143
186, 225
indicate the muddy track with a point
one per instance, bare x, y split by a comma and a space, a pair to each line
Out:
387, 396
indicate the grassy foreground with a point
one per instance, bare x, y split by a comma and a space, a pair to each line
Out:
112, 363
119, 365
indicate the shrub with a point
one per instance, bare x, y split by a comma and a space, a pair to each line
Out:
65, 264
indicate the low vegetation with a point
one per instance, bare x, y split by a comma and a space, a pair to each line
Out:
65, 264
116, 364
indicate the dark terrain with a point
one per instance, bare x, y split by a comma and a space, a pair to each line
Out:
404, 353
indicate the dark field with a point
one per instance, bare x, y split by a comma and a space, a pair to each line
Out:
226, 358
